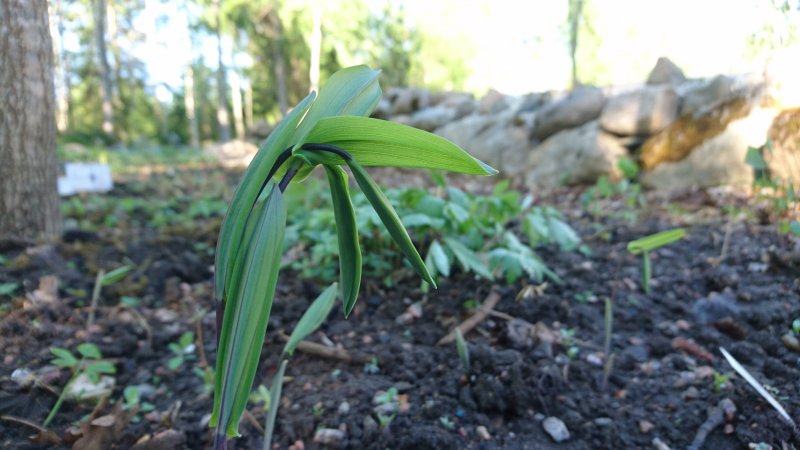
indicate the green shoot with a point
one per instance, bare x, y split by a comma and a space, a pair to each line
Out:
646, 244
104, 279
182, 351
463, 351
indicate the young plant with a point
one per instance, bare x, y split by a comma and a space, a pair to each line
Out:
463, 351
90, 364
104, 279
646, 244
182, 351
329, 130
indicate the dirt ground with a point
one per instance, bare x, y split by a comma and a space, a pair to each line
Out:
539, 358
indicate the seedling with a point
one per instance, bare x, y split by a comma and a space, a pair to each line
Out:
182, 351
646, 244
6, 289
331, 130
796, 326
463, 351
447, 423
104, 279
721, 380
133, 398
90, 364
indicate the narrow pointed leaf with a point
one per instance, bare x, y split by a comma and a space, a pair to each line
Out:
390, 219
275, 402
245, 196
468, 258
353, 91
376, 142
656, 240
312, 319
247, 314
347, 233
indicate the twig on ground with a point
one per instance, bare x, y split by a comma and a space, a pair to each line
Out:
716, 417
252, 421
480, 314
312, 348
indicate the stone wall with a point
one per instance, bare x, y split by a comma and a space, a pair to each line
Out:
684, 133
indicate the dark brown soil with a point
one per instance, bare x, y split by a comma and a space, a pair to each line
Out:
540, 355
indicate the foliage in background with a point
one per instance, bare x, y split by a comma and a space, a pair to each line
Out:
780, 193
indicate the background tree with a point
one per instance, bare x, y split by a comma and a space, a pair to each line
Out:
100, 17
574, 14
29, 204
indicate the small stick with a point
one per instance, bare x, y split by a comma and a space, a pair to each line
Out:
25, 422
252, 421
715, 419
482, 313
312, 348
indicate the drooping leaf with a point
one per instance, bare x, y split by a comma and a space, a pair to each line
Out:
468, 258
245, 196
65, 358
312, 319
247, 312
353, 91
656, 240
89, 350
376, 142
275, 396
440, 258
347, 233
115, 275
390, 219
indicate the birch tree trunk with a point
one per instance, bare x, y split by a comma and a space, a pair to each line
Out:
29, 205
277, 60
105, 68
188, 103
236, 102
316, 48
223, 126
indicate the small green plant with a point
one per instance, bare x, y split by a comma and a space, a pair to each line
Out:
463, 351
104, 279
182, 351
721, 380
330, 130
647, 244
627, 190
447, 423
133, 398
372, 367
7, 289
796, 326
90, 364
779, 192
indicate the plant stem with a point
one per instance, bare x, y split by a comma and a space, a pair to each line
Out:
98, 284
60, 400
646, 271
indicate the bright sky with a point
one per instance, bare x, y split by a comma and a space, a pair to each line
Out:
520, 45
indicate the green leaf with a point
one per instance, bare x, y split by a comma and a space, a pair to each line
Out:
8, 288
115, 275
376, 142
65, 358
312, 318
230, 235
275, 402
468, 258
101, 367
390, 219
347, 233
656, 240
353, 91
247, 312
89, 350
440, 258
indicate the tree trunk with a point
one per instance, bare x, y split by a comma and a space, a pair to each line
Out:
223, 126
61, 64
105, 68
248, 105
316, 48
574, 22
29, 204
277, 60
236, 102
188, 103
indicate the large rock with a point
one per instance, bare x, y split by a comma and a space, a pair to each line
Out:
493, 102
783, 159
497, 139
641, 112
408, 100
575, 156
666, 72
677, 141
579, 107
429, 119
718, 160
707, 94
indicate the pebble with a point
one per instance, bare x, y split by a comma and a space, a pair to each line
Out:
603, 421
483, 433
594, 359
327, 436
23, 377
715, 307
791, 342
85, 389
645, 426
344, 408
554, 427
691, 393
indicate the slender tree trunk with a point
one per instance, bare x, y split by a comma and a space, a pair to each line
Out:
277, 60
223, 126
236, 102
574, 21
188, 103
316, 48
248, 105
61, 64
29, 205
105, 68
